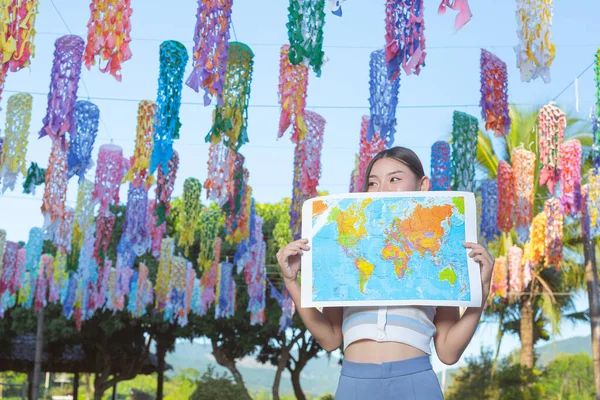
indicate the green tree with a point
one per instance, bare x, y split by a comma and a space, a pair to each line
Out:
474, 380
569, 377
540, 305
218, 387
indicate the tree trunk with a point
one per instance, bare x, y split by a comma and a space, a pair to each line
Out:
591, 277
39, 344
114, 396
230, 365
283, 360
75, 385
161, 353
527, 355
88, 386
296, 384
99, 382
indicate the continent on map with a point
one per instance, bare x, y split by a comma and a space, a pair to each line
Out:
422, 231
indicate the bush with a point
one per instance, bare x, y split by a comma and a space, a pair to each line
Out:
217, 387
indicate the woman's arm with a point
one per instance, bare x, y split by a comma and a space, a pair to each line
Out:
326, 327
454, 333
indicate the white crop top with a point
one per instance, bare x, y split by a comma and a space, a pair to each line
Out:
411, 325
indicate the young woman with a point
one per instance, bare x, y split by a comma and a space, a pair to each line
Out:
387, 349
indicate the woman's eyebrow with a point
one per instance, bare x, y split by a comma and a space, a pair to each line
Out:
395, 172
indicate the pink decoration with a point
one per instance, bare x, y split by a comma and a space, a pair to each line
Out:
569, 165
506, 194
109, 173
552, 123
515, 256
554, 232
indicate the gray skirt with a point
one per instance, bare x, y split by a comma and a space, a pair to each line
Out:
411, 379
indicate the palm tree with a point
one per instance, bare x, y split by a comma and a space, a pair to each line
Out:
544, 300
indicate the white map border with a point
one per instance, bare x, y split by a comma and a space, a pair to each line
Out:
470, 236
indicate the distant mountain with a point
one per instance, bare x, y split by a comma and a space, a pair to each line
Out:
318, 377
321, 374
545, 353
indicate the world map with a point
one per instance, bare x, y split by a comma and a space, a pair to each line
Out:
389, 248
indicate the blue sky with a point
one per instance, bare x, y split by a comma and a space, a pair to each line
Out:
449, 81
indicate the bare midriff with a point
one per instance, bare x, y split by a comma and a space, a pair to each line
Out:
370, 351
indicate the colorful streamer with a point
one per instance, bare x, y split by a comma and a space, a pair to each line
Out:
500, 278
211, 42
523, 180
515, 270
173, 58
84, 217
569, 165
552, 123
464, 11
208, 281
305, 33
464, 150
506, 196
55, 191
105, 223
35, 177
108, 35
293, 81
63, 239
535, 51
109, 173
208, 225
138, 173
489, 210
404, 37
593, 201
225, 307
87, 116
366, 152
135, 228
14, 148
164, 189
441, 166
230, 120
535, 248
554, 232
164, 272
494, 94
219, 182
66, 68
383, 99
189, 213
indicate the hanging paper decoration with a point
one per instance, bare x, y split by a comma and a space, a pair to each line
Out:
55, 191
569, 165
535, 249
135, 228
17, 279
140, 161
287, 307
255, 273
293, 80
173, 58
9, 266
144, 291
219, 182
82, 140
225, 306
14, 149
494, 94
230, 120
157, 231
41, 287
515, 256
177, 286
189, 213
506, 196
208, 226
164, 272
109, 173
1, 146
108, 35
595, 130
55, 276
104, 227
33, 252
84, 217
464, 150
305, 32
441, 166
87, 269
593, 202
383, 99
355, 179
2, 248
208, 281
523, 176
16, 34
336, 7
554, 232
367, 150
552, 123
535, 51
464, 11
489, 210
35, 177
211, 42
63, 239
60, 116
164, 188
238, 210
404, 37
500, 277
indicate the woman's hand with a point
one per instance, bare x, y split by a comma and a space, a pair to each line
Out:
486, 262
289, 259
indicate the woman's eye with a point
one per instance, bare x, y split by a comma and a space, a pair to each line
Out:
372, 183
394, 179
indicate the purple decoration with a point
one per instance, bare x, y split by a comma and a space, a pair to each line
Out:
226, 302
489, 210
66, 68
79, 159
383, 100
135, 227
596, 144
441, 166
69, 302
287, 306
494, 94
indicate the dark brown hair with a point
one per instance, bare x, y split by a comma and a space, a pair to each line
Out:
400, 154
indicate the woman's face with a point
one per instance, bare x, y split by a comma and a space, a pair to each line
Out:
390, 175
